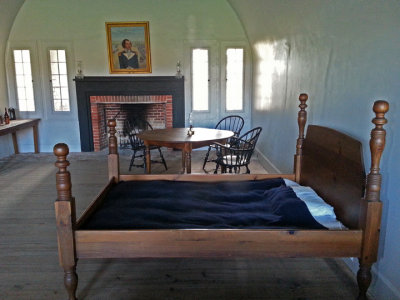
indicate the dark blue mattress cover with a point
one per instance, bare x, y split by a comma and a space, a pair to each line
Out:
199, 205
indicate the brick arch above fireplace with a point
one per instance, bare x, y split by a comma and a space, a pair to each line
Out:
126, 86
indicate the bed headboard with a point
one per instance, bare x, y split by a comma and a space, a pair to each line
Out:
332, 165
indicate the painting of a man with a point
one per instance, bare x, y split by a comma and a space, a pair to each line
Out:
128, 58
128, 47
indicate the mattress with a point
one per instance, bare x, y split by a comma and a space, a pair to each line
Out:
262, 204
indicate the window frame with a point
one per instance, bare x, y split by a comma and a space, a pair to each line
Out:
18, 100
12, 84
49, 112
51, 80
208, 110
217, 65
225, 79
202, 118
247, 69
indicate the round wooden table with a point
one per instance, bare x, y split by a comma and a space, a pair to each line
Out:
178, 138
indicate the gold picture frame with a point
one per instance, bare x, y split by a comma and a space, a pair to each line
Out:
128, 45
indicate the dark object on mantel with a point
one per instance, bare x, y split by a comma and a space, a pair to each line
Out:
125, 86
11, 112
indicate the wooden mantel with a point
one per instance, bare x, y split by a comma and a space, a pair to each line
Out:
125, 85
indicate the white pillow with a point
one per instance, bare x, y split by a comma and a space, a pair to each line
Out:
315, 204
319, 209
289, 182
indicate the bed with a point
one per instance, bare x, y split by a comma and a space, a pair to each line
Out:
326, 160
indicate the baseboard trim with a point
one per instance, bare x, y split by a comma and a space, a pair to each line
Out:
266, 163
382, 288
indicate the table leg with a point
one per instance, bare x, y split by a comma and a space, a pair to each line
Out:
35, 138
183, 161
188, 158
148, 160
15, 142
188, 162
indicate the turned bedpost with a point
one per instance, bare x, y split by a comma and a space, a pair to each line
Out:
372, 218
113, 157
301, 120
65, 219
377, 145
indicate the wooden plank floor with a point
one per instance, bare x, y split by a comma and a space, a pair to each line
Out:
28, 248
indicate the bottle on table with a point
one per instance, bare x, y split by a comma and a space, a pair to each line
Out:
6, 117
190, 131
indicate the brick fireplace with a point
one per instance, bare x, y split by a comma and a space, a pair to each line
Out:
156, 109
156, 96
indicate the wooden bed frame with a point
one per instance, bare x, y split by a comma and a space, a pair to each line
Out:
328, 161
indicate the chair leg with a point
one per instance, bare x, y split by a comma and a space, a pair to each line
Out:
162, 159
216, 169
144, 161
206, 158
247, 169
132, 160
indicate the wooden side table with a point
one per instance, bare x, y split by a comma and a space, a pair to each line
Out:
16, 125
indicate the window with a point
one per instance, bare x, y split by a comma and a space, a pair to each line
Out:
200, 76
59, 80
23, 77
234, 79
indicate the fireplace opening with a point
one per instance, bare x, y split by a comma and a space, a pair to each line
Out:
157, 110
90, 86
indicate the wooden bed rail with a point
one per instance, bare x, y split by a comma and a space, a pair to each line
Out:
66, 220
372, 218
301, 121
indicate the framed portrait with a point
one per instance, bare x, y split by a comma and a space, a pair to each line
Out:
128, 46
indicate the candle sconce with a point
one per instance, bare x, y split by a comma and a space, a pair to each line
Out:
190, 131
79, 72
178, 70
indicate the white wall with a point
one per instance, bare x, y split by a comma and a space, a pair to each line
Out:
8, 10
345, 55
81, 24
